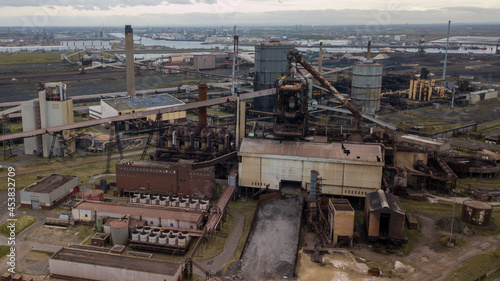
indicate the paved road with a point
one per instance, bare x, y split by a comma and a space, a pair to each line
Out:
217, 263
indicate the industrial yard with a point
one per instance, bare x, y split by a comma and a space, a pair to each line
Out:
269, 160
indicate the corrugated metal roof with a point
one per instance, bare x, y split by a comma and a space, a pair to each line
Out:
130, 103
49, 184
335, 151
379, 200
140, 211
118, 261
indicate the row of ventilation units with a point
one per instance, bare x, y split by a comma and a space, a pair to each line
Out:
170, 201
160, 239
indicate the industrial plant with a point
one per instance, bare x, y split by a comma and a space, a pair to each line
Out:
267, 165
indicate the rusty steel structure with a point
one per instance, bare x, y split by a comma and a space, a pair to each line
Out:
295, 57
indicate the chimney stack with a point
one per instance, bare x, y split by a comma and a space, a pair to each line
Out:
130, 68
202, 111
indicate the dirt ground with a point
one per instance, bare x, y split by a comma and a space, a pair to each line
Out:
271, 250
56, 236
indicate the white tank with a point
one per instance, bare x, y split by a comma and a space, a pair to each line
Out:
183, 203
147, 229
152, 238
140, 229
144, 237
172, 240
163, 202
181, 240
185, 234
156, 231
135, 235
135, 199
162, 239
175, 232
203, 205
143, 200
193, 204
154, 201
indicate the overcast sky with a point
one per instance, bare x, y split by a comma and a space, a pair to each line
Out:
250, 12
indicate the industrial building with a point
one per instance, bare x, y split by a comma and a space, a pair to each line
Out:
348, 169
384, 217
87, 44
83, 264
52, 108
89, 211
203, 62
165, 178
341, 221
49, 191
132, 104
270, 63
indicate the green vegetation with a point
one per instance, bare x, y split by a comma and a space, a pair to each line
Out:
247, 209
29, 58
413, 235
439, 208
458, 241
213, 246
21, 224
493, 229
476, 266
4, 250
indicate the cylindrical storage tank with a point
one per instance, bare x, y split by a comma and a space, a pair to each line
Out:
366, 85
139, 228
172, 240
156, 231
163, 202
135, 235
154, 201
143, 236
94, 195
165, 232
136, 199
152, 238
181, 240
143, 200
270, 63
476, 212
147, 229
119, 232
155, 197
173, 202
137, 194
162, 239
193, 204
183, 203
185, 234
203, 204
175, 232
99, 222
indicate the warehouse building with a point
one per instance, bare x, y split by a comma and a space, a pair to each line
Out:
82, 264
384, 217
89, 211
165, 178
341, 220
125, 105
49, 191
347, 169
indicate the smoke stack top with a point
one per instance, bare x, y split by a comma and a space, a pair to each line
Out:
128, 29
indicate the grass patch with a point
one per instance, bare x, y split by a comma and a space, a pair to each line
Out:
4, 250
458, 241
84, 232
215, 245
427, 208
413, 236
22, 223
476, 266
247, 209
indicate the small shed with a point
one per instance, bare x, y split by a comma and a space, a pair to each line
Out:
341, 221
384, 217
47, 192
100, 239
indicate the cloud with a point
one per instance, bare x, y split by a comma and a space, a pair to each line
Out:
96, 4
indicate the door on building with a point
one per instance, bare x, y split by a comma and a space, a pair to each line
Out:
35, 205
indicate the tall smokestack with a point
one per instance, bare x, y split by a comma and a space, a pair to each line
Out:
202, 111
320, 59
129, 52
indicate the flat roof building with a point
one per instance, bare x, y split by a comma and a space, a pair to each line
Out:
346, 168
47, 192
154, 216
82, 264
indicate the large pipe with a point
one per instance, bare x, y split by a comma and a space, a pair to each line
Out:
129, 52
355, 112
202, 111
